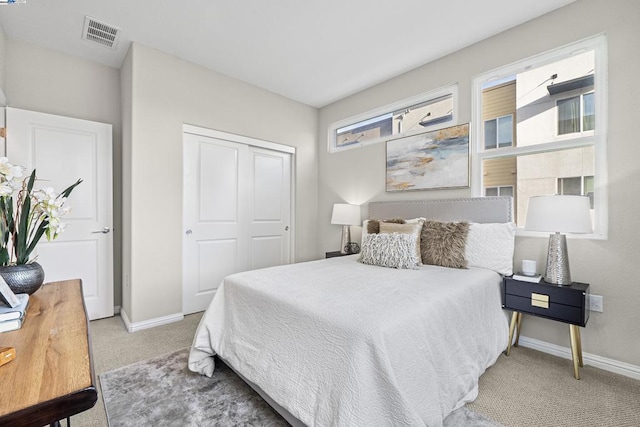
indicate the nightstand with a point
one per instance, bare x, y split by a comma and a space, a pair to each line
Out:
334, 254
566, 304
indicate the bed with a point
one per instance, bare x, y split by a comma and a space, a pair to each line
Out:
339, 343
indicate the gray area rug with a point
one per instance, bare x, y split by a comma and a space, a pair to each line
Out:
163, 392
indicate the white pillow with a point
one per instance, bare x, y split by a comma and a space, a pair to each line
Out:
491, 246
395, 250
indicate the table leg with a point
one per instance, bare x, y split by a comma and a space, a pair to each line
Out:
575, 350
518, 330
512, 326
579, 346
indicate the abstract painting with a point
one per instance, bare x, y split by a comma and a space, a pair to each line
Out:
428, 161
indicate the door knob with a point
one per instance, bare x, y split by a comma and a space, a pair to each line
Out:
104, 230
286, 228
188, 232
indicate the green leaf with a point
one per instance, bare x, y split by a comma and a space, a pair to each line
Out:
69, 189
4, 256
36, 239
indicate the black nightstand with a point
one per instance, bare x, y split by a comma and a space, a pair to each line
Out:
566, 304
334, 254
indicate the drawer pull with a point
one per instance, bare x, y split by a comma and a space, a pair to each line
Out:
539, 300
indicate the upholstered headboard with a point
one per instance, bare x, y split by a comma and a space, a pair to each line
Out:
473, 209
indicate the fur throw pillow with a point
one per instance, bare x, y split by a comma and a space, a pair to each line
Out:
444, 243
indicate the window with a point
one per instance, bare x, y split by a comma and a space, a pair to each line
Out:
506, 190
410, 116
556, 146
577, 186
498, 132
576, 114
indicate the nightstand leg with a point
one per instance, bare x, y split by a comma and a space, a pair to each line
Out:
579, 346
575, 350
512, 326
518, 330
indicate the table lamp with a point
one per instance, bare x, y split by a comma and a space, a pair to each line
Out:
346, 215
558, 214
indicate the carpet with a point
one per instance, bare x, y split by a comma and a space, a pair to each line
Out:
163, 392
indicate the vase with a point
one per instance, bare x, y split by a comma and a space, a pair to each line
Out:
23, 278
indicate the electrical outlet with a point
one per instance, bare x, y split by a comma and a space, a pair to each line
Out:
595, 303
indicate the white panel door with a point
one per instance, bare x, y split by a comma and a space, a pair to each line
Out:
214, 214
270, 208
63, 149
236, 213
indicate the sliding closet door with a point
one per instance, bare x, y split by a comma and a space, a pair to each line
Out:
236, 213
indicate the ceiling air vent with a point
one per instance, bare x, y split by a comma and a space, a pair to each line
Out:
101, 33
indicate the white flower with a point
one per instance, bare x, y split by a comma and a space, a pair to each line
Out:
8, 171
5, 189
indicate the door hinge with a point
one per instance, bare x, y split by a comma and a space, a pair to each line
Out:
3, 132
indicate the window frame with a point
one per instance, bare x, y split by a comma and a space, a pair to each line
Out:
432, 95
596, 138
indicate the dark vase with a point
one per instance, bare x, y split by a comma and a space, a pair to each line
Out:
23, 278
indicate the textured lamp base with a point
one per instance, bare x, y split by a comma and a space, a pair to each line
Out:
558, 261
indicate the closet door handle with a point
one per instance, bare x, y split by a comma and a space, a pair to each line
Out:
104, 230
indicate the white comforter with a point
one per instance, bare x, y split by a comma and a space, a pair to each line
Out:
339, 343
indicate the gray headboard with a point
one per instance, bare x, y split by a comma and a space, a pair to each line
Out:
474, 209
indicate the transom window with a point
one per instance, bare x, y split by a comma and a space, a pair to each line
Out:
557, 105
425, 112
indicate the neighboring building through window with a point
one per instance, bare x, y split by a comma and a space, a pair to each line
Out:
558, 124
429, 111
576, 114
506, 190
498, 132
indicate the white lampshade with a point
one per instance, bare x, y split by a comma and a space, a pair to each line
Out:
559, 214
345, 214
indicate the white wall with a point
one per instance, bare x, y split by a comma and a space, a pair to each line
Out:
47, 81
167, 92
611, 266
2, 66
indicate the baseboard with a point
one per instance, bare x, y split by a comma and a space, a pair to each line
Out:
151, 323
604, 363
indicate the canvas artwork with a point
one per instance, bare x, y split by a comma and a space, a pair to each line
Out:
432, 160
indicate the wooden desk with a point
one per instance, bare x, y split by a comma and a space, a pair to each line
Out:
52, 375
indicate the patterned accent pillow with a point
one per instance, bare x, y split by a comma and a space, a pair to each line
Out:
444, 243
413, 228
394, 250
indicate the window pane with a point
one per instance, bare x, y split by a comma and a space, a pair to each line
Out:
570, 186
491, 191
505, 131
589, 119
364, 130
541, 174
506, 191
569, 115
490, 134
589, 188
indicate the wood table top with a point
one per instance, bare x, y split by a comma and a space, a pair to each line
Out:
52, 375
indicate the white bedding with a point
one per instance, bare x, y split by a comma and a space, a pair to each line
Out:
339, 343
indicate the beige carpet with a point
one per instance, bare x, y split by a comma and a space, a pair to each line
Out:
528, 388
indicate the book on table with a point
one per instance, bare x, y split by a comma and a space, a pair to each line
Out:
6, 294
11, 318
536, 278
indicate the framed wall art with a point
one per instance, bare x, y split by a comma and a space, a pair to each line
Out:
429, 161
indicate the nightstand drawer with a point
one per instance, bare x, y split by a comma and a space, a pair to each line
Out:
561, 312
563, 303
557, 294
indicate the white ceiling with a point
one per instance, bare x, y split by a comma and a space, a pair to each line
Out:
314, 52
